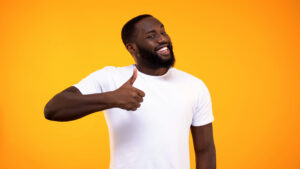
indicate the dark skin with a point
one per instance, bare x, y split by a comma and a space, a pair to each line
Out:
202, 135
204, 146
70, 104
150, 33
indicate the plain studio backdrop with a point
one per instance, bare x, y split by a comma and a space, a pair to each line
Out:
247, 53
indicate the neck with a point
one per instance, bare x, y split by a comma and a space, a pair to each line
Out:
151, 71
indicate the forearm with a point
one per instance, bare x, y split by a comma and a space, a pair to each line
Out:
206, 159
72, 106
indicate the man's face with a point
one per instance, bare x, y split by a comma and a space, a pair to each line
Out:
154, 46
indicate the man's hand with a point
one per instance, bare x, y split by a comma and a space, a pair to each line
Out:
128, 97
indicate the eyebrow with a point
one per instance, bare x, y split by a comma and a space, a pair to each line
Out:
162, 26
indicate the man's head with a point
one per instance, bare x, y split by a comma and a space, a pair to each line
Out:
145, 38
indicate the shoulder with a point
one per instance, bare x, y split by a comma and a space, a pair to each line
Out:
187, 77
110, 69
196, 84
105, 69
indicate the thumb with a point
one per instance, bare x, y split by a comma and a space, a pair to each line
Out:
133, 77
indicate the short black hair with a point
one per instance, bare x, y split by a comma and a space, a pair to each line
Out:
128, 29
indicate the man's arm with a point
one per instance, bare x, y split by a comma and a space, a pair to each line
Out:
70, 104
204, 146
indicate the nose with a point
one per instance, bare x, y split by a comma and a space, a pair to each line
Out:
162, 39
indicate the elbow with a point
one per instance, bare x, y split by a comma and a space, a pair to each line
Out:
54, 111
51, 110
52, 115
48, 114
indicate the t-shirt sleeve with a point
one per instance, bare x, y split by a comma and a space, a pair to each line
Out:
94, 82
203, 113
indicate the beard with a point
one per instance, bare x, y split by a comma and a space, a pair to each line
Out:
153, 60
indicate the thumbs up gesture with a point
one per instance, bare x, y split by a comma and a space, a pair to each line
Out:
128, 97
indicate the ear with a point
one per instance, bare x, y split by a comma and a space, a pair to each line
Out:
131, 47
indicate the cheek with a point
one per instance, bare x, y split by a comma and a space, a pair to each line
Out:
149, 46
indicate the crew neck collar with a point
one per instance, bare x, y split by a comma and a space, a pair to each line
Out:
152, 76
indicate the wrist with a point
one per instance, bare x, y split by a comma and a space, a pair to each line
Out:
112, 99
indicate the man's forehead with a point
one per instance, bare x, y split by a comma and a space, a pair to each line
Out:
147, 24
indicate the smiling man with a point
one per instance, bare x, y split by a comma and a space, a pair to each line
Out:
149, 106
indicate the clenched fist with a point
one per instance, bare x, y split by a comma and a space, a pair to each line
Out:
128, 97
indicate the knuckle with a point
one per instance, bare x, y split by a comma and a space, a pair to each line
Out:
133, 94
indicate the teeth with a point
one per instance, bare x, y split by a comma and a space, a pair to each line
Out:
162, 49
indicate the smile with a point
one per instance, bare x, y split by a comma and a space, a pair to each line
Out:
163, 51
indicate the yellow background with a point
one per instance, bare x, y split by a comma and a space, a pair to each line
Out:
247, 53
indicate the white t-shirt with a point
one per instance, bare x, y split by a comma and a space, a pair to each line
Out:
156, 135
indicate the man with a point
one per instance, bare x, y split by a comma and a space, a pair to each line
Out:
149, 106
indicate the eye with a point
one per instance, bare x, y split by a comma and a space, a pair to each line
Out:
163, 33
151, 36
